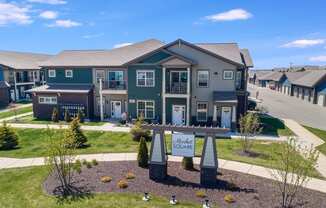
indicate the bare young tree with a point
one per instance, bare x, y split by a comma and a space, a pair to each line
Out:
60, 160
249, 127
292, 173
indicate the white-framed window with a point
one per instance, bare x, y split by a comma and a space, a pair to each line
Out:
145, 78
69, 73
202, 108
146, 108
99, 74
228, 74
52, 73
47, 100
202, 78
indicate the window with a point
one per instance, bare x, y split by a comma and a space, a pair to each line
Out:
228, 75
202, 111
99, 74
145, 78
145, 109
238, 79
68, 73
202, 78
47, 100
52, 73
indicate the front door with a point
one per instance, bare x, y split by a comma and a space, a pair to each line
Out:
226, 117
178, 114
116, 109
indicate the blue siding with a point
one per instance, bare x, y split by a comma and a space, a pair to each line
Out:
80, 76
1, 74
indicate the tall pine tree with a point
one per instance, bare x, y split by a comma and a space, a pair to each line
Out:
8, 138
75, 134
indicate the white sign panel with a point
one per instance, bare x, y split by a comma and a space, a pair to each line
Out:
183, 145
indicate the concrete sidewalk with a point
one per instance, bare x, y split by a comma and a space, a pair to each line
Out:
314, 184
308, 139
18, 107
14, 117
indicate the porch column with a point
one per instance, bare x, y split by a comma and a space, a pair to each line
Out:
234, 114
101, 101
188, 97
214, 114
33, 75
163, 96
15, 85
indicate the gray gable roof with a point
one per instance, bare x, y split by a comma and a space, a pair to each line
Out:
114, 57
311, 78
292, 76
246, 57
275, 76
22, 60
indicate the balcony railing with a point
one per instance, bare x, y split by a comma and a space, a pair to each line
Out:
114, 85
176, 88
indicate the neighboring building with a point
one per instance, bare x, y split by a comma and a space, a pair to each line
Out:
4, 93
179, 83
263, 78
275, 80
290, 77
21, 71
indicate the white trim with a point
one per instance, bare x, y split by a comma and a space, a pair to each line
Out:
66, 73
227, 71
163, 96
50, 100
145, 116
202, 110
54, 73
152, 71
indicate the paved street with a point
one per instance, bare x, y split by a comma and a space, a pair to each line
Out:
283, 106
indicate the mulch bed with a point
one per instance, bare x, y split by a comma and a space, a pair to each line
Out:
249, 191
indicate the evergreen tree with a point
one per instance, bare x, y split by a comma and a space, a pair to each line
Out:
67, 116
138, 132
55, 115
142, 156
8, 138
75, 134
80, 116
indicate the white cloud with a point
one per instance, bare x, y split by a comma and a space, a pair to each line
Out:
121, 45
318, 58
65, 24
234, 14
93, 36
49, 15
53, 2
11, 13
303, 43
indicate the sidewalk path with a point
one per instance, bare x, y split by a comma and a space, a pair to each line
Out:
306, 138
17, 116
18, 107
314, 184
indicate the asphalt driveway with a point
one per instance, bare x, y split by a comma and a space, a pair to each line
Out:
284, 106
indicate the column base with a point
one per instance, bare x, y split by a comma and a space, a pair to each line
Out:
208, 177
158, 172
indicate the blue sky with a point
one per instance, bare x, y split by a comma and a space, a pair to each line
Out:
276, 32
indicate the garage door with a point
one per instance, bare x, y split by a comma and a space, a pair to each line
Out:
321, 100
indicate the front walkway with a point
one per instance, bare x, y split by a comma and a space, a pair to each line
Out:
14, 117
308, 139
314, 184
17, 107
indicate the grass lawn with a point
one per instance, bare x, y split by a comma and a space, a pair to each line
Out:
33, 143
21, 188
18, 111
274, 126
321, 134
31, 120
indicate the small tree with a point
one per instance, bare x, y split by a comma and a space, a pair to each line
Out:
75, 135
249, 127
293, 173
80, 116
67, 116
60, 160
138, 132
187, 163
55, 115
8, 137
142, 156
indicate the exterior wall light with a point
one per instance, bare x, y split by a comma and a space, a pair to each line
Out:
173, 200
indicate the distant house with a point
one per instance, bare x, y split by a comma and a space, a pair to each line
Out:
290, 77
21, 71
275, 80
263, 78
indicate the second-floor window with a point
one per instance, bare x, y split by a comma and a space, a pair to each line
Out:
99, 74
228, 75
68, 73
52, 73
202, 78
116, 80
146, 109
145, 78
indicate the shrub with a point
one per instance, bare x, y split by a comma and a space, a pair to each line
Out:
94, 162
55, 115
77, 166
75, 134
187, 163
130, 176
138, 132
84, 162
122, 184
229, 198
106, 179
88, 165
67, 116
142, 156
8, 137
81, 116
200, 194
